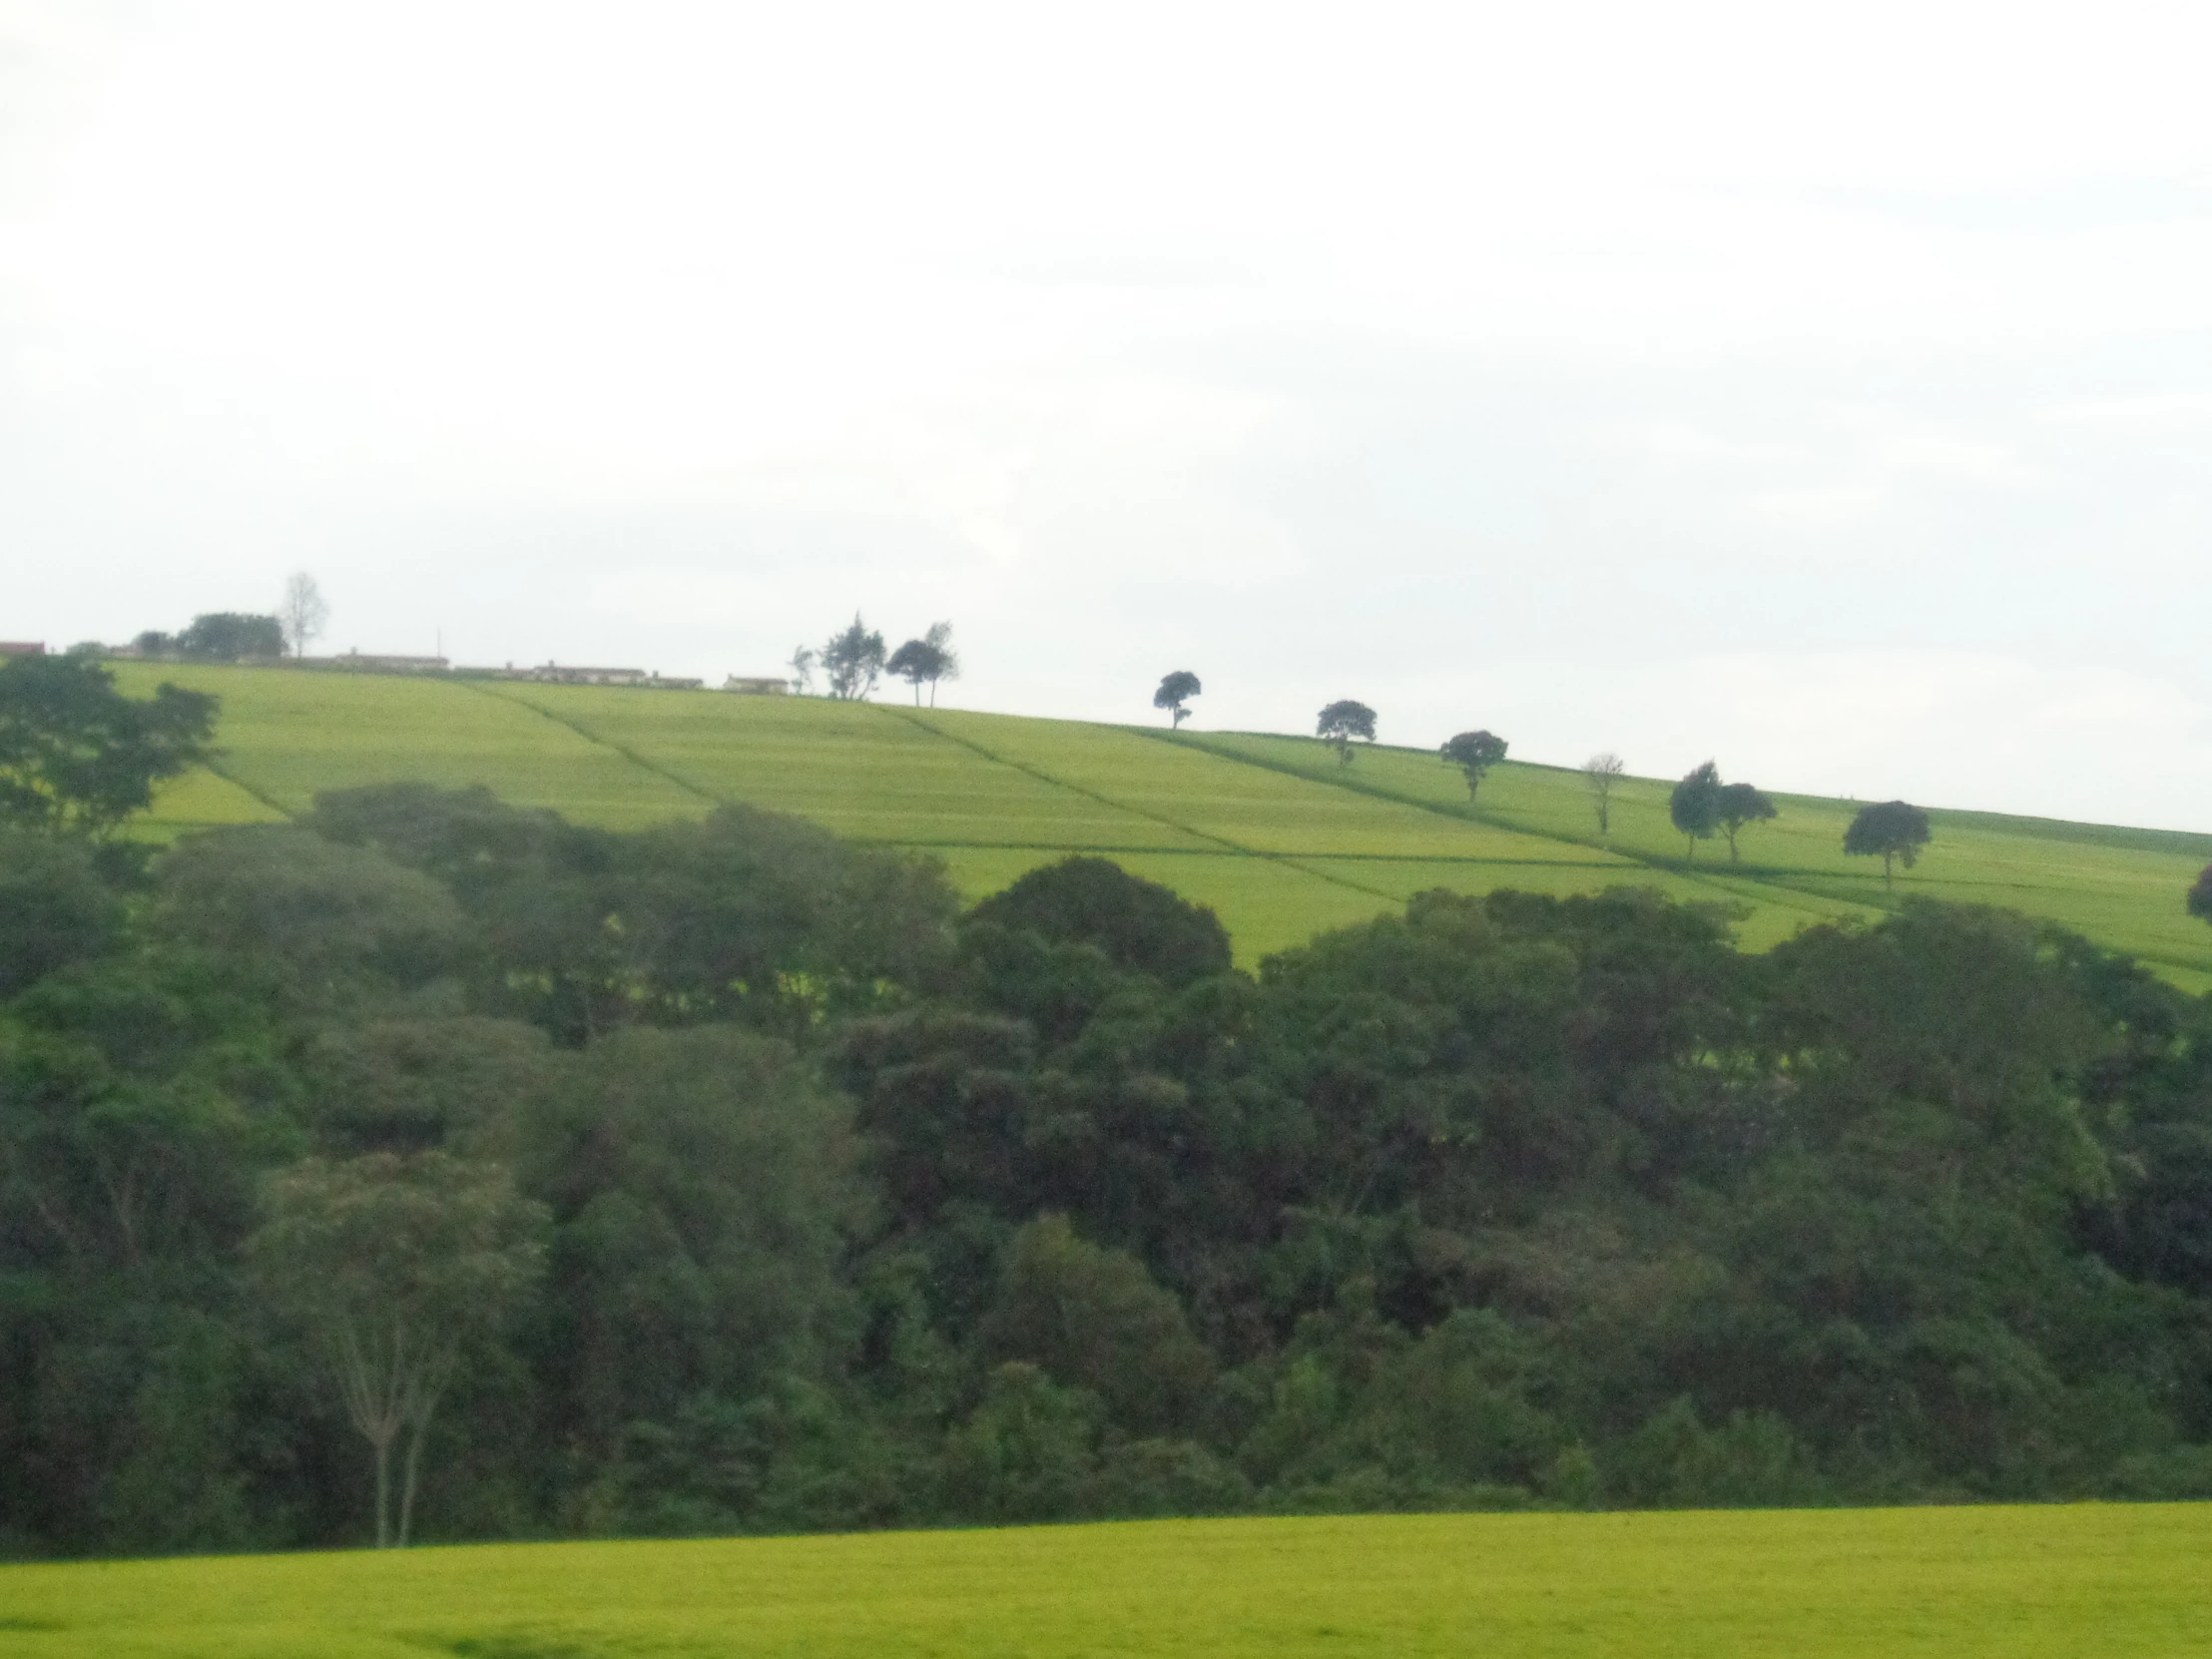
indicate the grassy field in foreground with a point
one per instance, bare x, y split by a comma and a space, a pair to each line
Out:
1270, 831
1811, 1584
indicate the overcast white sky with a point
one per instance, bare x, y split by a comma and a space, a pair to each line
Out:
1822, 390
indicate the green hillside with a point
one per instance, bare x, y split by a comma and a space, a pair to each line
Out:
2077, 1580
1272, 831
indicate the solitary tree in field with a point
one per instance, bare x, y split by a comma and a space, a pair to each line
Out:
1176, 690
1695, 804
303, 612
1740, 804
1893, 830
396, 1267
1601, 772
1475, 752
852, 661
1342, 721
926, 661
2199, 900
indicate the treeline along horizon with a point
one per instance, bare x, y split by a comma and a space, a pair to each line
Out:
725, 1177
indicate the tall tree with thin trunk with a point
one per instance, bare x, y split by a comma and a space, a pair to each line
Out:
1601, 772
396, 1267
303, 612
939, 638
1475, 752
1739, 804
1175, 690
926, 661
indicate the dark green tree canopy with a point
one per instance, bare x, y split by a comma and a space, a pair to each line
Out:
326, 924
704, 1188
1175, 690
1475, 752
916, 662
1093, 1318
852, 661
1737, 806
1342, 721
926, 661
441, 1083
748, 916
54, 907
468, 839
2199, 901
1047, 1212
1890, 830
1141, 926
76, 754
1695, 804
232, 637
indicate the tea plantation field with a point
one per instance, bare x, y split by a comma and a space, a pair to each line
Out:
1272, 831
1813, 1584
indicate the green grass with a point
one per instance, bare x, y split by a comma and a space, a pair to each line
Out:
1818, 1585
286, 736
2118, 885
885, 779
1271, 831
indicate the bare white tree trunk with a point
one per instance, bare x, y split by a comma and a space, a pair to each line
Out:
408, 1484
381, 1450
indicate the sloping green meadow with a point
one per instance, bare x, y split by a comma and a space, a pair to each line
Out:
2120, 887
1811, 1584
287, 735
1272, 831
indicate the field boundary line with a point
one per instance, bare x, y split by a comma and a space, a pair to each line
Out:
271, 802
598, 742
1377, 791
1221, 842
1225, 851
1686, 870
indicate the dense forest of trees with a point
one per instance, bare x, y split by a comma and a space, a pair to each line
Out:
727, 1176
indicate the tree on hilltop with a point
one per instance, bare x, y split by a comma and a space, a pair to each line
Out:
1344, 721
1738, 806
852, 661
1892, 829
232, 637
1601, 772
1695, 804
1176, 690
1473, 753
303, 612
926, 661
